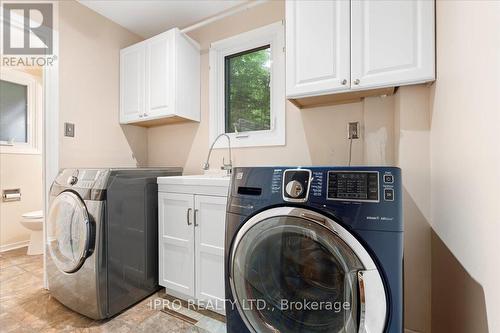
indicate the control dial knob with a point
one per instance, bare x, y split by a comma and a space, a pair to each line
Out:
294, 189
72, 180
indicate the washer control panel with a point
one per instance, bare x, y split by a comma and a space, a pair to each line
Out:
362, 197
82, 178
296, 183
353, 186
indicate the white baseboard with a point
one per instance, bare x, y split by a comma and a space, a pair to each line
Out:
13, 246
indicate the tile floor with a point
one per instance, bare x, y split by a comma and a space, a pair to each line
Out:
26, 307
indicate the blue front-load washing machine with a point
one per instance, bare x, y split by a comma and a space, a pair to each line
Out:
315, 249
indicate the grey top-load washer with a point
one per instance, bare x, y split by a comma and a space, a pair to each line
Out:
102, 238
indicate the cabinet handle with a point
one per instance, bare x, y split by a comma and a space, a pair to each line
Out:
344, 82
188, 213
140, 116
356, 82
145, 114
196, 217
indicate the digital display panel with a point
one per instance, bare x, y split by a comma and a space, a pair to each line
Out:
362, 186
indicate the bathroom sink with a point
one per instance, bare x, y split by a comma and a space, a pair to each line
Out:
200, 180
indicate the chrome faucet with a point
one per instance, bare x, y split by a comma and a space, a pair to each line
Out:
227, 167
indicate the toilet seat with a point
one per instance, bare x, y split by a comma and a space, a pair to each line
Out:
36, 214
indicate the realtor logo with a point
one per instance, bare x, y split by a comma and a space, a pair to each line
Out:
28, 28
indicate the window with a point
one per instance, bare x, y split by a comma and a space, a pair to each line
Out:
247, 88
19, 101
14, 112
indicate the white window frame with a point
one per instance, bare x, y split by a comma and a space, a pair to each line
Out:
34, 113
274, 36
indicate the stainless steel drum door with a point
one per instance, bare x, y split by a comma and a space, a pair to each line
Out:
294, 270
70, 232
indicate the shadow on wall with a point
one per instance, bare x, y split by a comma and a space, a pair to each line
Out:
135, 138
417, 282
458, 303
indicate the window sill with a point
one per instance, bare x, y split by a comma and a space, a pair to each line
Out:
243, 141
7, 149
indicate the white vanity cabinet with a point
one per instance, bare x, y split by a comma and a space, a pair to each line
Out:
192, 215
160, 80
176, 242
343, 46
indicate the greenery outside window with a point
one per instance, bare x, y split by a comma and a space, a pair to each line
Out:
247, 88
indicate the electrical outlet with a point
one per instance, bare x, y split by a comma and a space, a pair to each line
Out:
353, 130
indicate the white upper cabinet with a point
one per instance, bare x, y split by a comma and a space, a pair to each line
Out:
159, 75
132, 83
392, 43
160, 80
317, 47
369, 44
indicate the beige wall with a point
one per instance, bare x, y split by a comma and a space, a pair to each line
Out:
22, 171
89, 92
465, 164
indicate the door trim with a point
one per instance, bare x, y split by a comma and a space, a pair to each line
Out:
373, 309
50, 132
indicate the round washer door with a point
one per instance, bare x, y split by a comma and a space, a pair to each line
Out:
69, 232
294, 270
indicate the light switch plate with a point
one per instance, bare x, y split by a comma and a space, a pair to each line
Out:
69, 130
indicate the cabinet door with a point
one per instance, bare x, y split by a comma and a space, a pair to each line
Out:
317, 47
392, 42
210, 216
176, 242
158, 75
132, 72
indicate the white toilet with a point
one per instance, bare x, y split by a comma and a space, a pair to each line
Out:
34, 222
